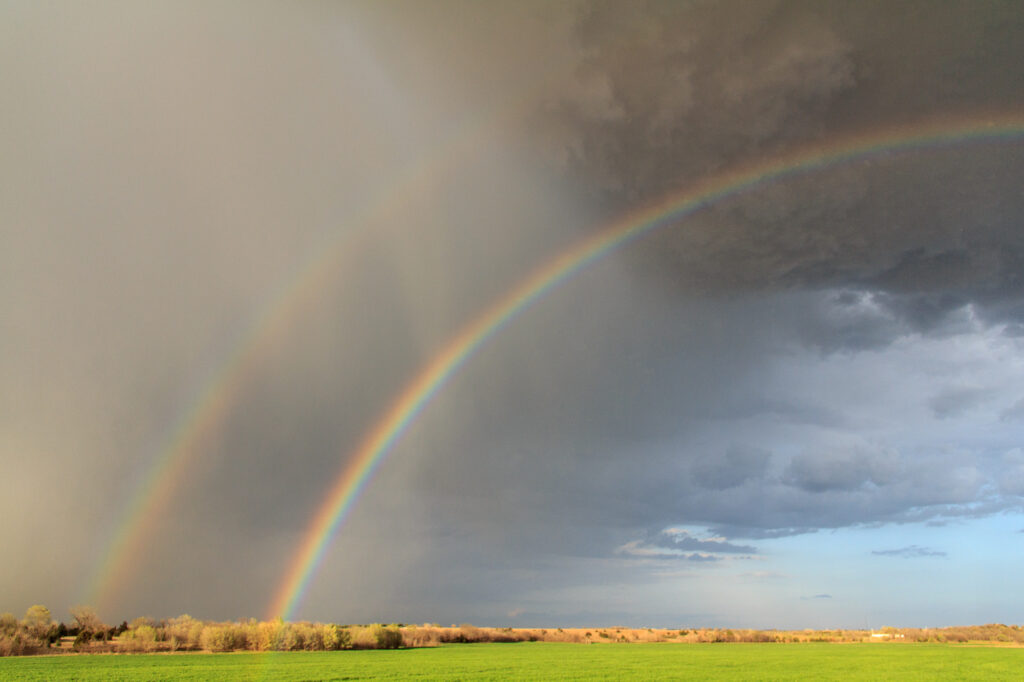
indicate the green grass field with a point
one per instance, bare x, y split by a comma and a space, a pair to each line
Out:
549, 661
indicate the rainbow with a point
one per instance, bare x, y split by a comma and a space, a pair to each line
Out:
200, 423
194, 429
365, 460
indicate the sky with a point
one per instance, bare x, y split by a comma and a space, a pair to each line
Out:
231, 235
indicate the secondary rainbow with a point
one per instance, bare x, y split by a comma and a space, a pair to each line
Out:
362, 463
214, 401
200, 423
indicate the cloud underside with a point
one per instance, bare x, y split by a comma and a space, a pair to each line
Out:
674, 93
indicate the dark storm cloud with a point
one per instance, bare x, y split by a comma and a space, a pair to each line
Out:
672, 86
679, 89
848, 320
909, 552
673, 92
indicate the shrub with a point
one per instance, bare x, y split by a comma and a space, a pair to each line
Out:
377, 636
140, 621
364, 638
142, 638
8, 624
391, 639
420, 637
334, 638
308, 637
15, 645
283, 637
38, 622
183, 632
469, 633
223, 637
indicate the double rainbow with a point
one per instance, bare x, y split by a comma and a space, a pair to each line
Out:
172, 463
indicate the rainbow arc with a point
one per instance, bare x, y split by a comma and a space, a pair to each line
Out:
360, 465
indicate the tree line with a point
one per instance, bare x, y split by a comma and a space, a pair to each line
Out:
39, 633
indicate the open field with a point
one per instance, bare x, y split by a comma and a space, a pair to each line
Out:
543, 660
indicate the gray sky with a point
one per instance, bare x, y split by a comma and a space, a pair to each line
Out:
801, 406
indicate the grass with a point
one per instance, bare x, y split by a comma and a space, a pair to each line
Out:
551, 661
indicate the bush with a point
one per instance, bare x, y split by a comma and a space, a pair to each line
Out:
469, 633
335, 638
422, 637
8, 624
183, 632
15, 645
140, 639
223, 637
377, 636
283, 637
38, 623
308, 637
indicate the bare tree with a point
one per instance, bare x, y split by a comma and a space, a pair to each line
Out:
88, 623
